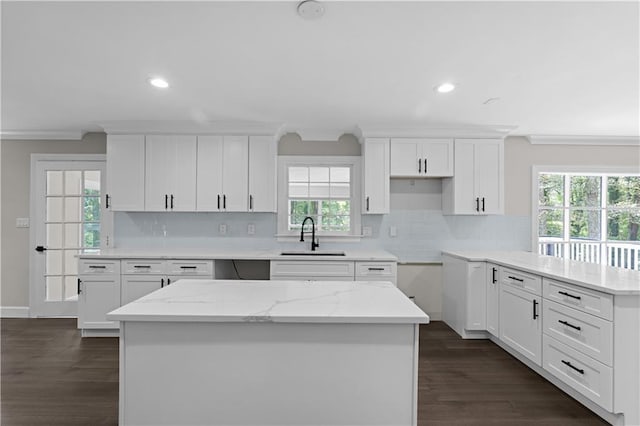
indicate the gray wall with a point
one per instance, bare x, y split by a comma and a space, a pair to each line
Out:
15, 169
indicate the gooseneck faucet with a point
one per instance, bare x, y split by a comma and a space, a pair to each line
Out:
314, 244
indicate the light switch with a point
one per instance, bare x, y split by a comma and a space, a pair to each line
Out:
393, 231
367, 231
222, 228
251, 229
22, 222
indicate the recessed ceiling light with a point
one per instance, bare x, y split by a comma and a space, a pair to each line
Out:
445, 87
158, 82
310, 9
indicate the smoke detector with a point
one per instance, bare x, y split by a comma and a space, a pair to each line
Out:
310, 9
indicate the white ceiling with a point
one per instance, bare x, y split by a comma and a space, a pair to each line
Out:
558, 68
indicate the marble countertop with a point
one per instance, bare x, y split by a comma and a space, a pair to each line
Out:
602, 278
236, 254
274, 301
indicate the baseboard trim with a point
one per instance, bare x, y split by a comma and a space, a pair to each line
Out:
14, 312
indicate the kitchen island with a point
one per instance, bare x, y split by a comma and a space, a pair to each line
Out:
269, 352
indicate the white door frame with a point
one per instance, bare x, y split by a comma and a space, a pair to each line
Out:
35, 280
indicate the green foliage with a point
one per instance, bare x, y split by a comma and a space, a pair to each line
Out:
333, 215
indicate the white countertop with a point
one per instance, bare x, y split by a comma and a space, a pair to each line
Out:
236, 254
602, 278
274, 301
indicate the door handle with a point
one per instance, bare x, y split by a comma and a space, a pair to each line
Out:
106, 201
493, 275
535, 310
79, 288
40, 249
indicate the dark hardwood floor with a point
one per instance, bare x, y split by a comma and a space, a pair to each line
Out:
50, 376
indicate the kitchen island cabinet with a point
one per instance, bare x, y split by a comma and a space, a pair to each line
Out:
269, 352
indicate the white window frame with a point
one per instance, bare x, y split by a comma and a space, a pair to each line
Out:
286, 161
536, 170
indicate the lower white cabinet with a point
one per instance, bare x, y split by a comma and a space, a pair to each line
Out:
136, 286
98, 293
376, 271
464, 296
326, 270
493, 299
521, 322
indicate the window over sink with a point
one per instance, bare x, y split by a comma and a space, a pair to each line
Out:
325, 188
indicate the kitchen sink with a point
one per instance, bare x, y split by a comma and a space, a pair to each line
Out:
312, 253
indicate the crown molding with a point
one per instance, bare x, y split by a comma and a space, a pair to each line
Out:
151, 127
73, 135
583, 140
412, 131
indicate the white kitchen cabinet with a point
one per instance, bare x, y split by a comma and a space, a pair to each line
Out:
375, 194
493, 299
98, 293
521, 322
478, 184
312, 270
170, 173
125, 172
263, 161
223, 173
136, 286
376, 271
413, 157
464, 296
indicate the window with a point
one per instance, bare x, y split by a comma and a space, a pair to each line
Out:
327, 189
592, 217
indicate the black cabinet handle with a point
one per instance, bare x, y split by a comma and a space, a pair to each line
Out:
425, 165
171, 201
367, 203
376, 269
493, 275
106, 201
79, 288
419, 165
224, 201
482, 203
218, 201
570, 325
166, 201
567, 363
161, 282
97, 267
250, 202
564, 293
477, 204
142, 266
188, 267
516, 279
535, 310
168, 281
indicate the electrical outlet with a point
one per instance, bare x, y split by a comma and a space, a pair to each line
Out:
367, 231
251, 229
393, 231
222, 229
22, 222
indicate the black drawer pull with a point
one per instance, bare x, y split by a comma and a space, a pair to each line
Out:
569, 325
567, 363
564, 293
97, 267
376, 269
516, 279
535, 309
188, 267
79, 289
493, 275
142, 266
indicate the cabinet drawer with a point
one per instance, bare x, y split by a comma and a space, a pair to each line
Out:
376, 271
190, 267
586, 333
326, 269
143, 267
586, 375
91, 267
583, 299
523, 280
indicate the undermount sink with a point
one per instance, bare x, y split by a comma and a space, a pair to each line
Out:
312, 253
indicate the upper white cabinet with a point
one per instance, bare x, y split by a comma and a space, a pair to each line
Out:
411, 157
478, 184
223, 173
263, 160
375, 154
170, 173
125, 172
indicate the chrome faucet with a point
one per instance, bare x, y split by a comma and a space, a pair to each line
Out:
314, 244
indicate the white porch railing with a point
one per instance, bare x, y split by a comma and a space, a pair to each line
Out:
621, 255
